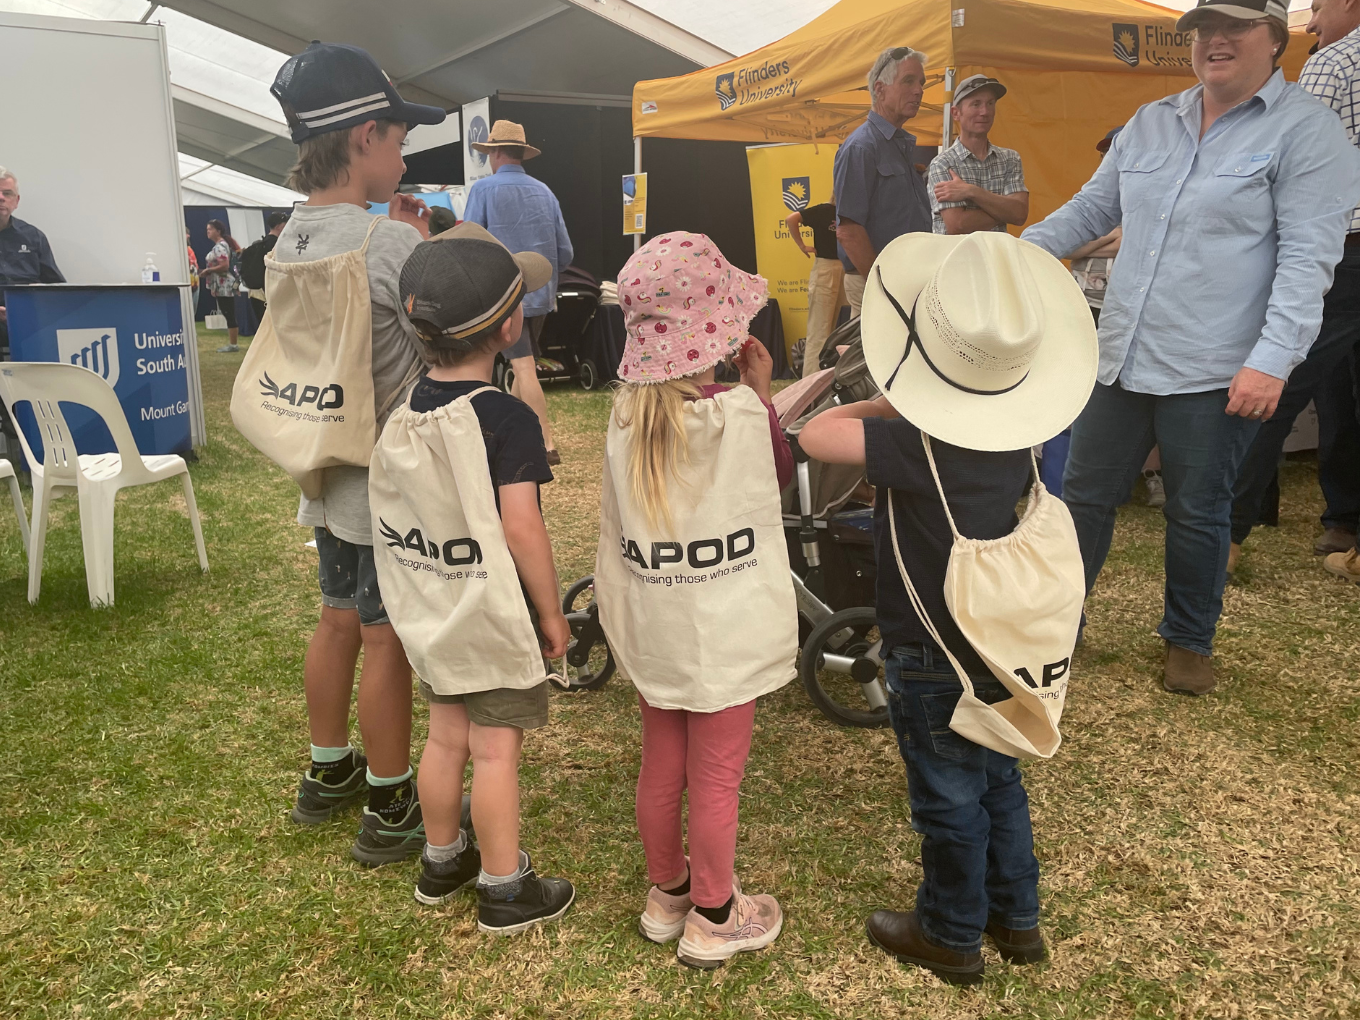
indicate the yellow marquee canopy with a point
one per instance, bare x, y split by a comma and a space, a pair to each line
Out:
1074, 70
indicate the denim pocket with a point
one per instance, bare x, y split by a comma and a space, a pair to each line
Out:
937, 710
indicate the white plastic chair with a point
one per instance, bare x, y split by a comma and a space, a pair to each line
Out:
7, 472
95, 479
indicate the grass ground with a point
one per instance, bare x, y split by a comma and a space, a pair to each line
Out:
1201, 857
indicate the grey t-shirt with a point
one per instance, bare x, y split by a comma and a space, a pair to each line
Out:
315, 232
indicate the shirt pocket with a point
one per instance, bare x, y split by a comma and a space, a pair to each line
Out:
1139, 177
1238, 199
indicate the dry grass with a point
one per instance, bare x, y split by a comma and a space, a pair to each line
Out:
1200, 856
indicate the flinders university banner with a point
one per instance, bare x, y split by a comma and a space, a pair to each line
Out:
786, 179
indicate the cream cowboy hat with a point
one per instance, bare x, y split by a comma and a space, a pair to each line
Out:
503, 133
981, 340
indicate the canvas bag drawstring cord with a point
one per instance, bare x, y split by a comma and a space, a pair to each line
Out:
445, 571
304, 394
1017, 600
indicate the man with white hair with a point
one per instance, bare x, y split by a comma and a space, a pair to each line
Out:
25, 255
879, 194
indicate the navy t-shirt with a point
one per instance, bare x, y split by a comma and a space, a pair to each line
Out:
510, 429
983, 490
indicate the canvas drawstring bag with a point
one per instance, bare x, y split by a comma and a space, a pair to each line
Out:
304, 394
444, 568
1017, 600
700, 614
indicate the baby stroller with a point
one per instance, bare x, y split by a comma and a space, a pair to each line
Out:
561, 345
828, 525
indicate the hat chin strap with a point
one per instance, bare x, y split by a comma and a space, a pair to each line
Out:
914, 340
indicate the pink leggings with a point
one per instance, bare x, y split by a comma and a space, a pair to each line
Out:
705, 752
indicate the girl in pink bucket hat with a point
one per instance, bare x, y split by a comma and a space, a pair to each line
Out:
692, 578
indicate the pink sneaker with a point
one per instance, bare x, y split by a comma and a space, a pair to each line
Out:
753, 923
664, 918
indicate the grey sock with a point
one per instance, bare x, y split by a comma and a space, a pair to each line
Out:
440, 854
504, 887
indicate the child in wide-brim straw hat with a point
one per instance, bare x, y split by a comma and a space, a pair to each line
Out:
692, 578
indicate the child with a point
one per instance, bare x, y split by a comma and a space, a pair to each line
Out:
468, 632
346, 161
692, 578
990, 363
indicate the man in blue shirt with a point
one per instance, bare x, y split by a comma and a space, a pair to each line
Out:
25, 255
1234, 197
878, 193
523, 214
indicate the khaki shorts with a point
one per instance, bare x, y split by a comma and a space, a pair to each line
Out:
526, 709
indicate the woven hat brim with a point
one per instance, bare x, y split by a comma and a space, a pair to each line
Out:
530, 151
1060, 378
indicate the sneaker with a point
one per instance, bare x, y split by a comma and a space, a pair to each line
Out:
663, 920
439, 880
753, 923
229, 349
382, 842
535, 902
1344, 564
1156, 490
330, 790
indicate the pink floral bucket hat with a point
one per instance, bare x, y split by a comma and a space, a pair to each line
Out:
685, 307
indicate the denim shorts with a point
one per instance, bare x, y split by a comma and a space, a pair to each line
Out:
349, 578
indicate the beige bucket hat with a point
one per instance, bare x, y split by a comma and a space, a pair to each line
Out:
507, 132
981, 340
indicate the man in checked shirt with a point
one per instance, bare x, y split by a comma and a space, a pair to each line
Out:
975, 185
1328, 375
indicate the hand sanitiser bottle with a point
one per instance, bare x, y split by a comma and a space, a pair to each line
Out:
150, 274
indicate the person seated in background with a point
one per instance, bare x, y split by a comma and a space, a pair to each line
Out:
975, 185
825, 289
25, 255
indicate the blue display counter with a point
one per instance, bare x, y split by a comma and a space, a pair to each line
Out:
132, 335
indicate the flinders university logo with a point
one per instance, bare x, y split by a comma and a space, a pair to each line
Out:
95, 349
795, 191
1126, 43
725, 89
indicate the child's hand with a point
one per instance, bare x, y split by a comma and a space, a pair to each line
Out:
412, 210
556, 635
756, 366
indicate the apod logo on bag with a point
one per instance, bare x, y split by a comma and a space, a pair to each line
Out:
700, 555
795, 191
95, 349
456, 552
1052, 671
323, 398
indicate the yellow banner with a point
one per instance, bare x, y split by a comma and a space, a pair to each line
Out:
635, 203
785, 179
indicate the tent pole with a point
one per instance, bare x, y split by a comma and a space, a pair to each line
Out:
637, 169
948, 107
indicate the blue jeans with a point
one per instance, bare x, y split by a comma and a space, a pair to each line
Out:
968, 804
1325, 377
1202, 449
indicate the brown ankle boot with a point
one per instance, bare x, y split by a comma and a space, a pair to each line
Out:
899, 934
1187, 672
1017, 946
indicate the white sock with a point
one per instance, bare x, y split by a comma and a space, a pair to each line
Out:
440, 854
485, 879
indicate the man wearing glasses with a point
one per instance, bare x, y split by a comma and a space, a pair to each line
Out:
878, 193
25, 255
1235, 197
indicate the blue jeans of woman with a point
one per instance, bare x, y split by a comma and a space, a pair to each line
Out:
968, 804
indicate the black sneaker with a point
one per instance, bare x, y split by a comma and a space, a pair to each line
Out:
382, 842
439, 880
536, 901
340, 785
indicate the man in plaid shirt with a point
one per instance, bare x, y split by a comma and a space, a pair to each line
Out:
975, 185
1327, 375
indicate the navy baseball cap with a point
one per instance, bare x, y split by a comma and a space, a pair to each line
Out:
330, 86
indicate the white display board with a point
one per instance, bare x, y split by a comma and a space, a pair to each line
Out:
89, 131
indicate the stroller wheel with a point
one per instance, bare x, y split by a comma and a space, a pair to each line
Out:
589, 663
587, 374
842, 669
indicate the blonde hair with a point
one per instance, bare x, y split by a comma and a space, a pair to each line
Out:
659, 444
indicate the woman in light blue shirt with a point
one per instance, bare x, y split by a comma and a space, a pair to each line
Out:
1234, 198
